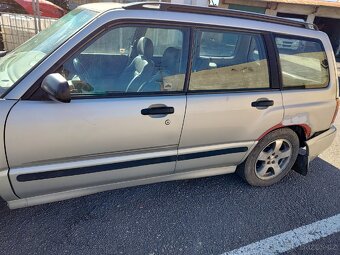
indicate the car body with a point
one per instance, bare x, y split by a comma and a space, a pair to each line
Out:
114, 96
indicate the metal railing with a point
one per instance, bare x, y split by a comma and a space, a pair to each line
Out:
18, 28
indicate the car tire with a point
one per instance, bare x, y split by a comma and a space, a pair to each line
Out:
271, 159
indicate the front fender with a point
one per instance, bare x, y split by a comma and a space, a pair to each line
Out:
6, 191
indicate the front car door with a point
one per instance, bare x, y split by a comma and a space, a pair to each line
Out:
122, 123
232, 99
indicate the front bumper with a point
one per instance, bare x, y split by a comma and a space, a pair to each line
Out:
314, 147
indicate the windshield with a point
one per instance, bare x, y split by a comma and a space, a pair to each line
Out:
24, 58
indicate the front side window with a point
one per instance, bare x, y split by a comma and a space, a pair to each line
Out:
229, 61
130, 59
117, 42
303, 63
164, 38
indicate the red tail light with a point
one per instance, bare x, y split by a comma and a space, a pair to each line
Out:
336, 110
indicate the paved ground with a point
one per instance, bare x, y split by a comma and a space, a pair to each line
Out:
203, 216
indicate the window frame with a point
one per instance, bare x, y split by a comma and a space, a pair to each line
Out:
130, 94
275, 80
267, 39
35, 93
302, 38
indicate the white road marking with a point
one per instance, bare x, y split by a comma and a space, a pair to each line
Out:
291, 239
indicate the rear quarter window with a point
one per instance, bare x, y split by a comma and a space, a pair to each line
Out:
303, 62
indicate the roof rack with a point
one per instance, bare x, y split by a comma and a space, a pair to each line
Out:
160, 6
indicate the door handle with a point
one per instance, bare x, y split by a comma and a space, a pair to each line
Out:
262, 103
162, 110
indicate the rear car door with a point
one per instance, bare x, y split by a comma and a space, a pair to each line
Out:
117, 127
233, 98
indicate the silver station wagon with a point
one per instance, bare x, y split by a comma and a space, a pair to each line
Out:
112, 96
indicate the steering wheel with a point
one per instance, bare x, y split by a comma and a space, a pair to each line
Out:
84, 76
81, 70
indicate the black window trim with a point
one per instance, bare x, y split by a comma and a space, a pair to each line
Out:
273, 63
302, 38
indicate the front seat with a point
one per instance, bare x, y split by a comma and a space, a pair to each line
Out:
169, 66
170, 61
141, 68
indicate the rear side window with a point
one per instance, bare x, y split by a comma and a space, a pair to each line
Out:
303, 63
228, 60
221, 44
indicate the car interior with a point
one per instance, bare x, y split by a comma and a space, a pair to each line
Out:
135, 68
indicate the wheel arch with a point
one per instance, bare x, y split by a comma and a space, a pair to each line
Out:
303, 131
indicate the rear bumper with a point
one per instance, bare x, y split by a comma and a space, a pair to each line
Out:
314, 147
318, 144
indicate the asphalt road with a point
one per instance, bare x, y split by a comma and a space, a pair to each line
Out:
202, 216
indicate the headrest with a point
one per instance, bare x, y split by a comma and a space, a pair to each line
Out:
171, 52
145, 47
171, 59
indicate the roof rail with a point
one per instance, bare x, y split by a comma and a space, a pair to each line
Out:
160, 6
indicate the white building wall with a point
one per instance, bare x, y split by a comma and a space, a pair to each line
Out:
191, 2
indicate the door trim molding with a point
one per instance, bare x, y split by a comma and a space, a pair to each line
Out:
125, 164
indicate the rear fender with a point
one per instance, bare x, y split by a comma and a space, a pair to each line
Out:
314, 147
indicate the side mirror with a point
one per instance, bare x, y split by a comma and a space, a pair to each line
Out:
57, 88
3, 53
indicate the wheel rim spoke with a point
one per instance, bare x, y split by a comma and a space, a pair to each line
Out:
285, 154
278, 145
277, 169
273, 159
263, 170
263, 156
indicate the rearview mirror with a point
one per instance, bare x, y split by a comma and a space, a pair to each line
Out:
57, 88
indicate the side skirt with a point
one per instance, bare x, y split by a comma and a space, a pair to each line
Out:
54, 197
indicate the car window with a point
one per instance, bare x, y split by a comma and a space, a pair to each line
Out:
303, 63
130, 59
163, 38
117, 41
215, 44
229, 61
